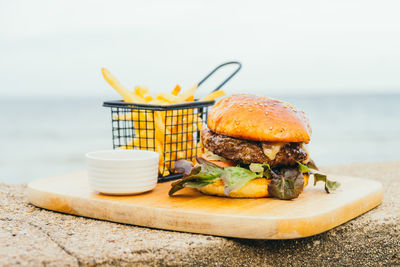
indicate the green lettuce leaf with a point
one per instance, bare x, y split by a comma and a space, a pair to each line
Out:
303, 168
329, 185
287, 183
256, 167
261, 169
311, 165
318, 176
199, 183
199, 176
236, 177
209, 168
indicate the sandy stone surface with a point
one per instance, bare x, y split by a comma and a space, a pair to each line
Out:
31, 236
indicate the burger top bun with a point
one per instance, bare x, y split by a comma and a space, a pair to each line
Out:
258, 118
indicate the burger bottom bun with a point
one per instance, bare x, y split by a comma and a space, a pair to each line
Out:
253, 189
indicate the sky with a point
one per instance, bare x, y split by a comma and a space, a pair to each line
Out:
56, 48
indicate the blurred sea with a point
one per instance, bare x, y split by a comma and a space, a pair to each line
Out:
48, 136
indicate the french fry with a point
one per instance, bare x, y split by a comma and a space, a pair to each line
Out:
139, 142
148, 98
139, 94
188, 95
143, 94
176, 90
123, 117
199, 123
213, 95
135, 116
159, 135
141, 91
170, 99
126, 95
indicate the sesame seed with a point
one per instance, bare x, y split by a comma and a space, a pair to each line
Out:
250, 109
270, 127
266, 112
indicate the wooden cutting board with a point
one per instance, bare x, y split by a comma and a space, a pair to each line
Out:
189, 211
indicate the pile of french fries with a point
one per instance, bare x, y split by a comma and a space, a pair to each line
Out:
176, 126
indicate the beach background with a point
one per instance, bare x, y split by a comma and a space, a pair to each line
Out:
49, 136
338, 61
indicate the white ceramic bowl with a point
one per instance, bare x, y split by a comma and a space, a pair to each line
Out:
122, 172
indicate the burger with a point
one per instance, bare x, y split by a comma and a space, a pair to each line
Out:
254, 147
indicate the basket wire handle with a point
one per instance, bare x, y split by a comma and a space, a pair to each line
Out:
217, 68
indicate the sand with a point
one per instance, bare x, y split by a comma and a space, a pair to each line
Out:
32, 236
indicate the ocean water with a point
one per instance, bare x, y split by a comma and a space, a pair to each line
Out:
49, 136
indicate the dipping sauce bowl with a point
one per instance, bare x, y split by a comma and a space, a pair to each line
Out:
122, 172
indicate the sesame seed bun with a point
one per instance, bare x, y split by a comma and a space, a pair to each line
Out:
258, 118
253, 189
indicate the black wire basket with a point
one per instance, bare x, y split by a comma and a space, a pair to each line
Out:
173, 129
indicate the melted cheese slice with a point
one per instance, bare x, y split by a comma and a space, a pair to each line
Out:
271, 149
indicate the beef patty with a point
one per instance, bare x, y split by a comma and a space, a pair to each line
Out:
245, 151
